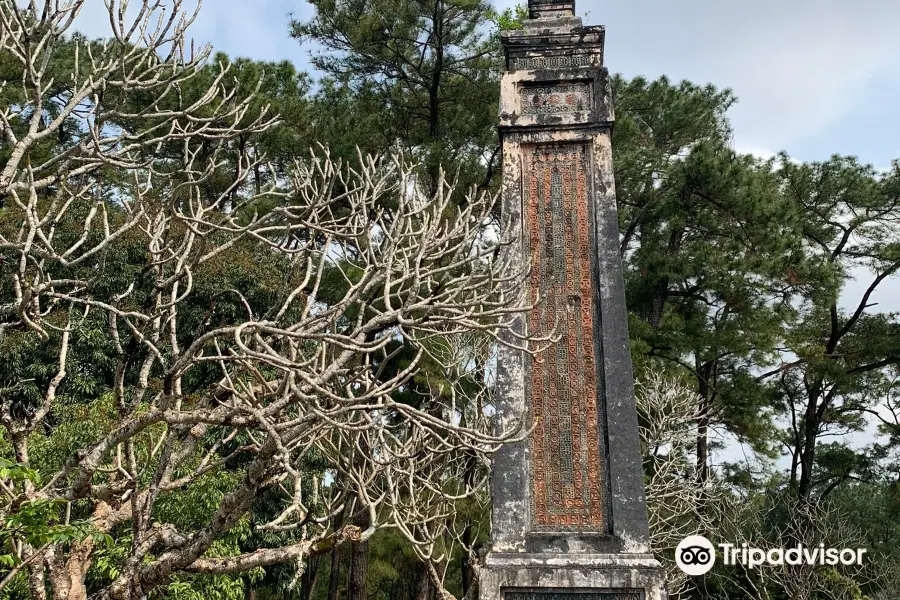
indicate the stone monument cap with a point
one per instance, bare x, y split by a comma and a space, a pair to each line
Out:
552, 9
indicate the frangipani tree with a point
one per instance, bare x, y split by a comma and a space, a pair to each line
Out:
169, 330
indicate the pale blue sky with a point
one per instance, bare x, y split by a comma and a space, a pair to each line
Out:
813, 77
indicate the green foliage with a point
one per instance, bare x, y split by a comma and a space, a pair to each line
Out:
225, 587
18, 473
708, 246
421, 76
734, 267
509, 19
38, 522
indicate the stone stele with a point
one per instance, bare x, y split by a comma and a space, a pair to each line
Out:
569, 513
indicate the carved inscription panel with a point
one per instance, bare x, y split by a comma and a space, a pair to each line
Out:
566, 475
571, 595
551, 61
560, 99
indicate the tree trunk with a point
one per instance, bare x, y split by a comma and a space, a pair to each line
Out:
661, 293
359, 561
433, 86
36, 581
808, 456
423, 585
703, 442
795, 461
67, 573
308, 579
334, 577
464, 567
703, 421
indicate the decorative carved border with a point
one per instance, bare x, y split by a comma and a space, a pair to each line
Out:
572, 595
551, 62
556, 99
567, 474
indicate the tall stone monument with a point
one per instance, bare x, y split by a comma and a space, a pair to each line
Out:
569, 514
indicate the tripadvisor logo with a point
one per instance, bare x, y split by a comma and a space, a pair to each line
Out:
695, 555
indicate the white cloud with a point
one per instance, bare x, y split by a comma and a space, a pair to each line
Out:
257, 29
795, 65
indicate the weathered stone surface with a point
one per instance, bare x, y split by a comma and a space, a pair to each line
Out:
550, 8
632, 577
567, 476
569, 514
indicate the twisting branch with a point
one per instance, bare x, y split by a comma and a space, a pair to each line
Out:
124, 226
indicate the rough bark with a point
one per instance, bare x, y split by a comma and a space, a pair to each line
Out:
334, 577
423, 584
359, 562
704, 392
309, 578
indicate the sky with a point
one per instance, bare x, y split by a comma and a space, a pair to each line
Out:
812, 77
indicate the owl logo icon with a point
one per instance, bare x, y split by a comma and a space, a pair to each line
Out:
695, 555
